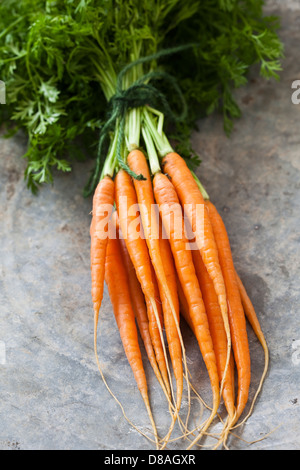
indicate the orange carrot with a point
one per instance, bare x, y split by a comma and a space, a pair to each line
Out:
250, 313
103, 202
253, 320
127, 206
140, 310
167, 199
184, 311
169, 322
139, 306
217, 330
194, 207
130, 224
117, 282
174, 338
150, 220
236, 312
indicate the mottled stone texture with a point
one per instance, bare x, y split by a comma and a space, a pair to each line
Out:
51, 394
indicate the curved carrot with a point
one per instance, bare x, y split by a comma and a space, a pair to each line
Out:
139, 306
253, 320
236, 312
217, 330
150, 219
140, 310
250, 313
100, 232
184, 312
194, 207
130, 224
167, 199
127, 206
174, 339
118, 288
103, 202
169, 322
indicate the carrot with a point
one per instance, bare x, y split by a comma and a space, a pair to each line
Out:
156, 323
194, 207
150, 222
127, 206
253, 320
157, 298
173, 334
140, 310
166, 197
130, 223
169, 322
103, 202
117, 282
217, 330
184, 312
251, 314
236, 312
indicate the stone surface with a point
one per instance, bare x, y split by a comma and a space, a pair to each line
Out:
51, 394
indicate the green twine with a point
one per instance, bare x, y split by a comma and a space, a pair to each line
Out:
139, 94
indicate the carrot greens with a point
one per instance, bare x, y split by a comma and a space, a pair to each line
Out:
61, 61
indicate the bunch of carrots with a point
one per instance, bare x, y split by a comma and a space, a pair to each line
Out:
159, 269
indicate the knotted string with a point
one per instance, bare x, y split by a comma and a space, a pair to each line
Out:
139, 94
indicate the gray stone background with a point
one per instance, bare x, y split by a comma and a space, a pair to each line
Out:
51, 394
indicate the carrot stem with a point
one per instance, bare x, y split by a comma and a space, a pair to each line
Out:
161, 142
200, 186
133, 129
110, 161
152, 155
